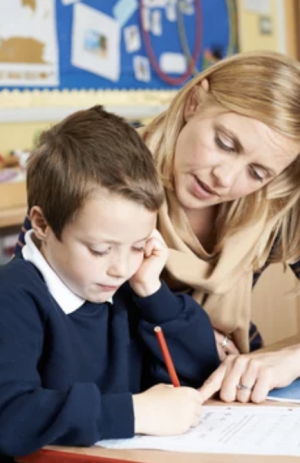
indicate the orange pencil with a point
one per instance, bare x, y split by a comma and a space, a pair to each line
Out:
166, 355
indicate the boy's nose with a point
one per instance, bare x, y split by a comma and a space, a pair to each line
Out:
119, 268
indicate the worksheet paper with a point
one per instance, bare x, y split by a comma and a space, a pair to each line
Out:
251, 430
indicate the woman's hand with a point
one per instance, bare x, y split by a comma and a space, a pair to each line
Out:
250, 377
225, 345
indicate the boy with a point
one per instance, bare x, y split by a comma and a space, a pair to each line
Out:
76, 365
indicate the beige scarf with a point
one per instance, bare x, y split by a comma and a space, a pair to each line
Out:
222, 284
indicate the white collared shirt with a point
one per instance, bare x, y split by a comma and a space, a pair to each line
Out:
66, 299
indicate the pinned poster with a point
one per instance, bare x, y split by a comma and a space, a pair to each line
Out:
96, 42
69, 2
171, 12
155, 3
187, 7
146, 18
156, 28
141, 68
29, 49
132, 38
173, 63
124, 9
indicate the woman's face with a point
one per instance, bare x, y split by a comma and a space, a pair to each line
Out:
221, 156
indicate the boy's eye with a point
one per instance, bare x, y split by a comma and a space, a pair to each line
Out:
142, 249
99, 253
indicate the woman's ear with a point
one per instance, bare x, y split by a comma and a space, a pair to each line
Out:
39, 223
196, 96
205, 85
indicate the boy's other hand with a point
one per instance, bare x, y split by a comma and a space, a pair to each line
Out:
146, 281
164, 410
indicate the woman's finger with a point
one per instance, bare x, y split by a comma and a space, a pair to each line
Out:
263, 386
214, 383
247, 383
236, 368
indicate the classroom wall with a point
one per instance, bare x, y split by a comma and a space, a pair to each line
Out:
252, 37
29, 113
19, 135
24, 115
78, 62
279, 14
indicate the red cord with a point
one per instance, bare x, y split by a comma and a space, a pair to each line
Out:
198, 44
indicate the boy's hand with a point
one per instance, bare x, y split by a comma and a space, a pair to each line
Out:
146, 280
164, 410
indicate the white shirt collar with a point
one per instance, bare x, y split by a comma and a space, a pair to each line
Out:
66, 299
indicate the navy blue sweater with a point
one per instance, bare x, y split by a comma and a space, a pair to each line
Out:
69, 379
255, 339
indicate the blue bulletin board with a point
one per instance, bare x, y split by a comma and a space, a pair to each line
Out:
101, 44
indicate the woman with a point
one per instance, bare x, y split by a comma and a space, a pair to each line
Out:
227, 151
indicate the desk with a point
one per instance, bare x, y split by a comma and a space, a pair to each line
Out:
94, 454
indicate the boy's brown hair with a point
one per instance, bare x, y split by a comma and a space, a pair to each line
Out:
87, 150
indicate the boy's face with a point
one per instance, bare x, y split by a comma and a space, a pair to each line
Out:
102, 247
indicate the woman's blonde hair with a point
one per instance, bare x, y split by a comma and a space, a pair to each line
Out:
266, 87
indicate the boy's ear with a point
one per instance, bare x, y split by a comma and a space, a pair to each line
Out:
38, 223
196, 96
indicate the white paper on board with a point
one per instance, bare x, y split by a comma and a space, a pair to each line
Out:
171, 12
124, 9
132, 38
174, 63
187, 7
69, 2
156, 26
155, 3
33, 27
141, 67
96, 42
146, 18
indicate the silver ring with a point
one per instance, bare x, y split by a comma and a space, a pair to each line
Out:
224, 342
243, 387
